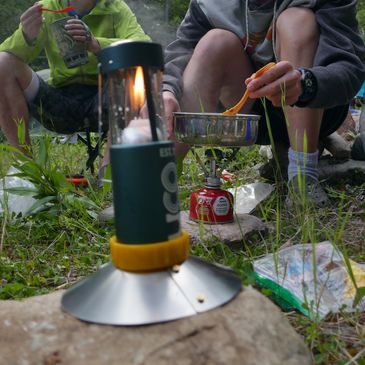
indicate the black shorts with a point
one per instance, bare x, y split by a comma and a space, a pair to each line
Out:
68, 109
332, 120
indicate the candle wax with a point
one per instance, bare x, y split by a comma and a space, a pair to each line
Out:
138, 131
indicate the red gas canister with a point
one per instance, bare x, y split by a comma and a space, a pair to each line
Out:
211, 205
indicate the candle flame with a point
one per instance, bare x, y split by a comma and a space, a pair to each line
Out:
138, 91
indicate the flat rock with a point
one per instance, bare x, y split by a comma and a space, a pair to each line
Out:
333, 171
337, 146
243, 229
350, 126
250, 330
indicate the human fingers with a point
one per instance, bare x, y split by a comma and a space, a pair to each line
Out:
287, 96
280, 78
31, 21
283, 91
31, 11
171, 106
78, 30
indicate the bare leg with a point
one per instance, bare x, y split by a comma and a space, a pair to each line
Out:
15, 77
298, 45
216, 72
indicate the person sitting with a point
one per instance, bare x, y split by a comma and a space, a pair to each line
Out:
320, 65
68, 102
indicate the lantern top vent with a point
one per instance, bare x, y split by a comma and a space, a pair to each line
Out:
126, 53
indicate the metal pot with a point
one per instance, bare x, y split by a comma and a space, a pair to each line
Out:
216, 129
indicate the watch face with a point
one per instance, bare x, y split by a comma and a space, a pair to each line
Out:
309, 84
308, 80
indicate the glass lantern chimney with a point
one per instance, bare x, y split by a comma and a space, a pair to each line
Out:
134, 90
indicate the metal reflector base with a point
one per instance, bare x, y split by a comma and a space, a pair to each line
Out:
115, 297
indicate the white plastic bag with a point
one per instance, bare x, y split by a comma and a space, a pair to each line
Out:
313, 278
247, 197
13, 203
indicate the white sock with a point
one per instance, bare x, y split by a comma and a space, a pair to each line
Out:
303, 163
31, 91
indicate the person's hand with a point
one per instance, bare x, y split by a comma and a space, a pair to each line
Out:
31, 21
280, 84
171, 106
79, 31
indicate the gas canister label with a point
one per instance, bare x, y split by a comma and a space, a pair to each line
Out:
221, 206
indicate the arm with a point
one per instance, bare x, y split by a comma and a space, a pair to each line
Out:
339, 63
126, 26
27, 41
178, 53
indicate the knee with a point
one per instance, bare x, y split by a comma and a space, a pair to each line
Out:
216, 45
297, 28
7, 64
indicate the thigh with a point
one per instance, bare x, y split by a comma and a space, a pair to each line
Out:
11, 66
209, 78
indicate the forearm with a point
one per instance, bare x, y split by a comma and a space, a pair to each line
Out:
339, 63
17, 45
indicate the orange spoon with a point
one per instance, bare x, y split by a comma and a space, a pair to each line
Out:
64, 10
236, 108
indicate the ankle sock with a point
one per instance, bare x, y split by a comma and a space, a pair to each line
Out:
302, 163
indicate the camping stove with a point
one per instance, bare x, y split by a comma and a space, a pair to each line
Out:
211, 204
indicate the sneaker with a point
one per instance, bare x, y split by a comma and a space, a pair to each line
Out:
272, 173
276, 170
311, 194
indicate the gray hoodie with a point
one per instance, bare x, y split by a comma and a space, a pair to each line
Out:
339, 63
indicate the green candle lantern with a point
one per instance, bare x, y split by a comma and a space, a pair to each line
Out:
151, 277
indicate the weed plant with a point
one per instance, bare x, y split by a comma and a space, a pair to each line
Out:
44, 252
56, 242
339, 338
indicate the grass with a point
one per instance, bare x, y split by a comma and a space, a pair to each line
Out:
46, 252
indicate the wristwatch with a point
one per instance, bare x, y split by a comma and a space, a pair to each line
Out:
309, 85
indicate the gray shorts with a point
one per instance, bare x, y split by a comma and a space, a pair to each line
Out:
68, 109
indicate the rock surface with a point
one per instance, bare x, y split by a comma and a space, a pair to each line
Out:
233, 234
250, 330
333, 171
338, 147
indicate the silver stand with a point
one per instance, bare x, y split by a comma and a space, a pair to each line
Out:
115, 297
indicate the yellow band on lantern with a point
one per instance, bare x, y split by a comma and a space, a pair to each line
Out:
149, 256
